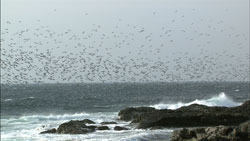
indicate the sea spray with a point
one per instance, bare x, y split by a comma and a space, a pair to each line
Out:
220, 100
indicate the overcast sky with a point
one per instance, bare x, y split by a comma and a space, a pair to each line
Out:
144, 40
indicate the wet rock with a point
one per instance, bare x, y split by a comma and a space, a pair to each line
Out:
119, 128
87, 121
129, 114
218, 133
92, 127
188, 116
103, 128
110, 122
75, 127
49, 131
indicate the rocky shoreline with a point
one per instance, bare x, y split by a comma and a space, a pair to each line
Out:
82, 127
217, 133
226, 123
188, 116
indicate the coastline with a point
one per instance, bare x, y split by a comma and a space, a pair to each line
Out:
195, 116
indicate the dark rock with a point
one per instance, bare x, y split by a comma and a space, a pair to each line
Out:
111, 122
119, 128
188, 116
87, 121
183, 134
129, 114
218, 133
75, 127
92, 127
191, 120
49, 131
103, 128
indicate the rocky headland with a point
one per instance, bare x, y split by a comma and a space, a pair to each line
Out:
225, 123
189, 116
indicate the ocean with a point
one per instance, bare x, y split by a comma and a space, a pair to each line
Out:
27, 110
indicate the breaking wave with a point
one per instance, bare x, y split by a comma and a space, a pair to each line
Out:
220, 100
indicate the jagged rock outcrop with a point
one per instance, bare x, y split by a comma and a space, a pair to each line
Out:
49, 131
87, 121
80, 127
224, 122
189, 116
132, 113
102, 128
218, 133
119, 128
75, 127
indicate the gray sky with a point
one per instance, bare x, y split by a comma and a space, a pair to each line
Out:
124, 40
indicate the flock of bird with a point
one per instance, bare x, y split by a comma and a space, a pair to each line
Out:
98, 54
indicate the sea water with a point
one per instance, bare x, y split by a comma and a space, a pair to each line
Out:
27, 110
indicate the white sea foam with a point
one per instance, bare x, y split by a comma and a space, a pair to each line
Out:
220, 100
28, 127
8, 100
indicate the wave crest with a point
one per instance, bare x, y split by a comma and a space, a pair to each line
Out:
220, 100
